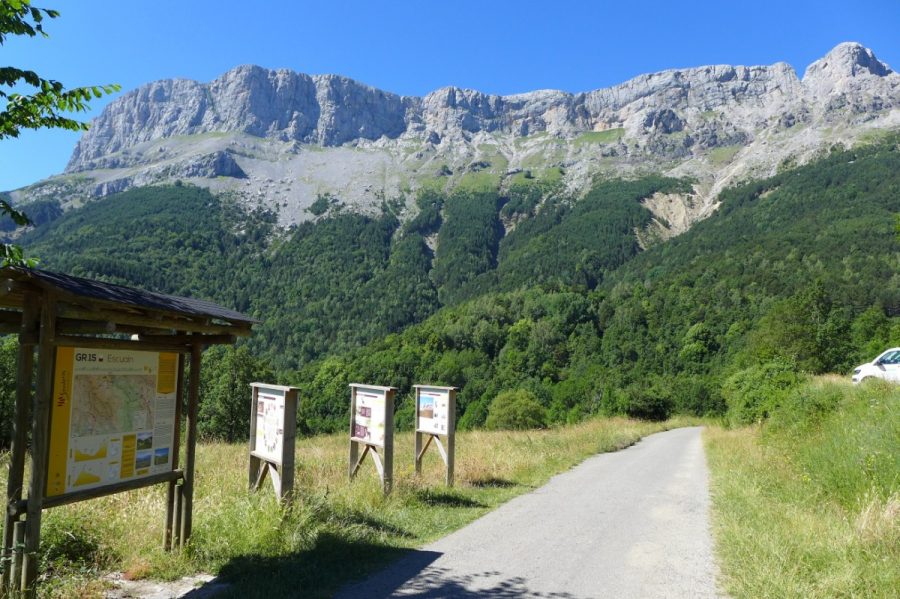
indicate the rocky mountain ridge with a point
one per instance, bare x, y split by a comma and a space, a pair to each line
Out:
280, 139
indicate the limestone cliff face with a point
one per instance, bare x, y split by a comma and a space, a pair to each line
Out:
714, 105
279, 139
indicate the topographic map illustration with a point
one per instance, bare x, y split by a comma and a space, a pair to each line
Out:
104, 404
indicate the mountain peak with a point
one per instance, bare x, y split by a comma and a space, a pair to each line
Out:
848, 59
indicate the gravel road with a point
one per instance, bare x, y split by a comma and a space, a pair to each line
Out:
634, 523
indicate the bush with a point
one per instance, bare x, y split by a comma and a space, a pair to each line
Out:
649, 403
516, 410
698, 396
753, 393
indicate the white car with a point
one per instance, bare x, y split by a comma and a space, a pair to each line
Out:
886, 366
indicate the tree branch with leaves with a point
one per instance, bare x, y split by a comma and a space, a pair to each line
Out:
44, 105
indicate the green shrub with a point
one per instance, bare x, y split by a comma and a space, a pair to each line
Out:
649, 402
516, 410
752, 393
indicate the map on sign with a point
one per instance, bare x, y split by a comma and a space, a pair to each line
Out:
113, 417
269, 424
368, 420
434, 411
112, 403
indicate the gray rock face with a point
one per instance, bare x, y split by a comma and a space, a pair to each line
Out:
329, 110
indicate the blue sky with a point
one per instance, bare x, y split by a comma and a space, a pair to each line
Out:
415, 47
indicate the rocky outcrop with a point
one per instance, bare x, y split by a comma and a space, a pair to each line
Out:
710, 105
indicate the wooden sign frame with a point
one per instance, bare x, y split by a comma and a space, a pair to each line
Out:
50, 312
262, 464
424, 437
384, 461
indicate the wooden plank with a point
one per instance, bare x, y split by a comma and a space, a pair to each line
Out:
378, 465
172, 529
288, 450
40, 442
389, 440
15, 566
187, 339
423, 448
20, 507
440, 447
120, 487
275, 476
261, 471
354, 468
176, 528
74, 326
74, 310
253, 473
354, 447
29, 318
451, 438
191, 441
127, 344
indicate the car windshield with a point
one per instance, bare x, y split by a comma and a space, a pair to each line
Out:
891, 357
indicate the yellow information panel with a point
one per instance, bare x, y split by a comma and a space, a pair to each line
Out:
112, 418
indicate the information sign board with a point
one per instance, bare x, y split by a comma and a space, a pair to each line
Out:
372, 429
369, 417
273, 430
269, 424
113, 417
433, 410
436, 417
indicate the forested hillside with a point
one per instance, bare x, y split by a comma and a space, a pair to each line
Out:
336, 283
545, 302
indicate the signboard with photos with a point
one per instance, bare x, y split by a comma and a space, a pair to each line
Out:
436, 418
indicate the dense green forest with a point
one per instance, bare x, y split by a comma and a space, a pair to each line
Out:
531, 298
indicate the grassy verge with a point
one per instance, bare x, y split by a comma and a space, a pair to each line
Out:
335, 533
809, 504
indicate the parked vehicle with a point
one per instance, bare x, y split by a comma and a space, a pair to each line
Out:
886, 366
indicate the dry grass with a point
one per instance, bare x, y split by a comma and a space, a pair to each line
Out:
336, 532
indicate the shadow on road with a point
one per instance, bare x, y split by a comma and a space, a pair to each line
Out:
413, 578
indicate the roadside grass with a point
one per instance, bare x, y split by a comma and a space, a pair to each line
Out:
808, 505
335, 533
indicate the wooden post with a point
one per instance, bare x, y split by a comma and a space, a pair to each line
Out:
39, 443
16, 478
388, 477
172, 529
288, 449
451, 438
354, 446
187, 487
253, 476
15, 565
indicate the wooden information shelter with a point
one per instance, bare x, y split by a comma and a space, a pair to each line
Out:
69, 326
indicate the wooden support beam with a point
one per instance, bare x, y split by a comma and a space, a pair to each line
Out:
16, 509
191, 441
187, 339
40, 442
153, 322
127, 344
29, 319
172, 530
